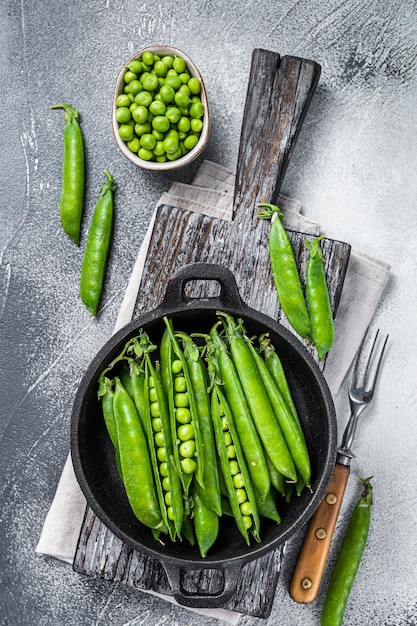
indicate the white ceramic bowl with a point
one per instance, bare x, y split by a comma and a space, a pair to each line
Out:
198, 148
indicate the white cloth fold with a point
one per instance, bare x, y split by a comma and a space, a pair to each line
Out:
211, 193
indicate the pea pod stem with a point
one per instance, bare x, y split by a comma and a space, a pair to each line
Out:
349, 559
318, 298
73, 174
97, 247
285, 272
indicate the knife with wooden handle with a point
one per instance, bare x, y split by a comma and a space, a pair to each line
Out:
310, 566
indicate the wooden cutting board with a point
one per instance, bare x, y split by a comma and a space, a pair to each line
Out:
278, 96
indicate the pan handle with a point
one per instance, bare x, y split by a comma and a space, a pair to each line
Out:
229, 296
196, 600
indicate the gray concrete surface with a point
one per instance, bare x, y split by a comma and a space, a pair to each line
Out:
354, 171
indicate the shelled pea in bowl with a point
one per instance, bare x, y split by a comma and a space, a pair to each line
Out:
161, 117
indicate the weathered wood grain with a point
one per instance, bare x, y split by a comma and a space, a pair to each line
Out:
279, 92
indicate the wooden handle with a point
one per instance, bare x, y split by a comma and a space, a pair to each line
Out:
309, 570
279, 93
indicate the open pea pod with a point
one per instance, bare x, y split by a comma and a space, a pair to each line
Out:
237, 481
210, 494
185, 428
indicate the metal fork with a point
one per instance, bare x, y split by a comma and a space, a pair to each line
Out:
310, 566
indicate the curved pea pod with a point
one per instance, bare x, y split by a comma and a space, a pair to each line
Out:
159, 433
106, 395
73, 174
285, 273
135, 460
348, 561
206, 521
244, 422
197, 372
318, 298
237, 480
258, 400
188, 531
97, 247
267, 507
185, 428
293, 434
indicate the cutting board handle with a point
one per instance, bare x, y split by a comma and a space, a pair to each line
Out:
278, 95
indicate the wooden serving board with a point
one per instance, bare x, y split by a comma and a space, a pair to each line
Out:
279, 93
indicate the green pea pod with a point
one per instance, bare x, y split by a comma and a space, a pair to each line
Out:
126, 378
219, 407
267, 507
210, 495
175, 510
277, 479
293, 434
135, 461
97, 247
73, 174
244, 422
188, 531
106, 396
318, 298
188, 464
348, 561
285, 273
258, 401
274, 365
206, 521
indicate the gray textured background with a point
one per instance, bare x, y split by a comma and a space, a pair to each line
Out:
354, 169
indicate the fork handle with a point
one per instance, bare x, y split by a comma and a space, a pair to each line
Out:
310, 566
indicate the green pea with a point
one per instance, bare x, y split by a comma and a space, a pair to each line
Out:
133, 106
123, 100
188, 466
194, 85
161, 123
241, 495
140, 114
187, 448
172, 81
228, 439
238, 481
176, 366
148, 58
191, 141
134, 144
246, 508
173, 156
157, 107
135, 66
135, 87
184, 78
182, 99
247, 521
157, 424
160, 439
126, 132
196, 125
163, 469
160, 68
168, 498
148, 141
158, 136
231, 452
161, 453
165, 484
146, 155
129, 76
168, 60
153, 395
179, 64
170, 144
183, 415
173, 114
196, 109
150, 83
234, 468
185, 432
161, 158
224, 424
142, 129
180, 384
144, 98
167, 93
181, 399
170, 513
154, 408
123, 115
159, 149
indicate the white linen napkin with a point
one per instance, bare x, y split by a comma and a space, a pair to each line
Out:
211, 193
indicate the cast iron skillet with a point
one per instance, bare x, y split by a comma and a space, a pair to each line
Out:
93, 458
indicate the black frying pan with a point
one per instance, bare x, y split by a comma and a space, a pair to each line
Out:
93, 457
